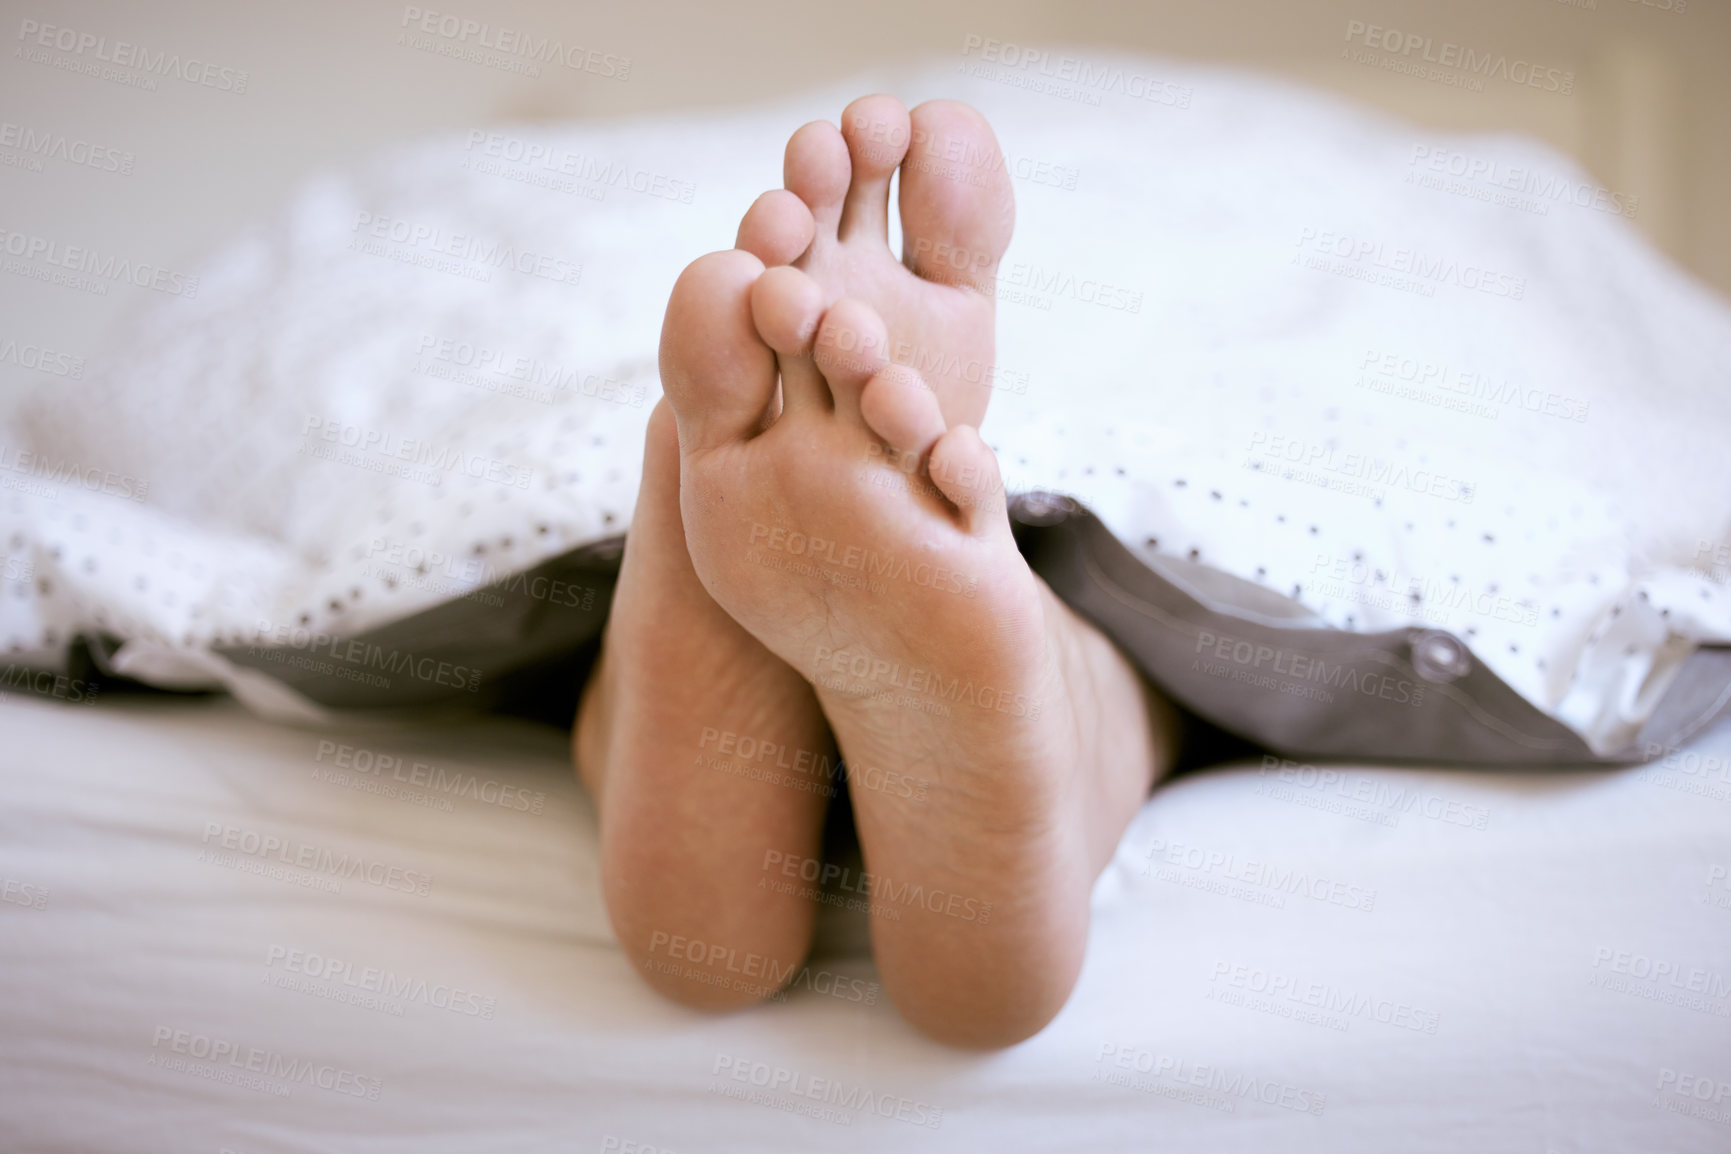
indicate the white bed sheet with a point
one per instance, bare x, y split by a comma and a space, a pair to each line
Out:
1472, 979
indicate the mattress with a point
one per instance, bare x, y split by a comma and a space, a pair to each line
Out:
222, 934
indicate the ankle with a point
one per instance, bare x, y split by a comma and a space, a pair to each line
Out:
1125, 731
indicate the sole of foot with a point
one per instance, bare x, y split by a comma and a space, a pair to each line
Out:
841, 506
700, 748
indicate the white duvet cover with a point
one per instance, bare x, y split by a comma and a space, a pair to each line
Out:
1244, 324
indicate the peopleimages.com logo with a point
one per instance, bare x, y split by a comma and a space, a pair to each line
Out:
88, 52
1411, 52
512, 49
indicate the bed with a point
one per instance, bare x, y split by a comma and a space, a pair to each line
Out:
223, 934
286, 908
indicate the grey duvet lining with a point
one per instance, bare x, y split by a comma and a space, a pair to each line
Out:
1245, 659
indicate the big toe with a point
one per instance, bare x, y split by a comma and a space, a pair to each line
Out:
715, 369
957, 208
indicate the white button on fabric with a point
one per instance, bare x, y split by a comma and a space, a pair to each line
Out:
1042, 508
1439, 656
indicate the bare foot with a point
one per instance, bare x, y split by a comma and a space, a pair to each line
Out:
956, 215
937, 655
700, 747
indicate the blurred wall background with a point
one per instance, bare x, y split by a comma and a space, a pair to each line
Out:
328, 80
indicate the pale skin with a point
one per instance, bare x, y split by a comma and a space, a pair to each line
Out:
796, 409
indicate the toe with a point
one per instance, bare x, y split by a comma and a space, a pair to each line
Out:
876, 130
899, 407
786, 306
851, 347
816, 170
956, 204
776, 229
715, 369
965, 470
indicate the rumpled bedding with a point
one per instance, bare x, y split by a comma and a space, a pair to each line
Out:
1387, 379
